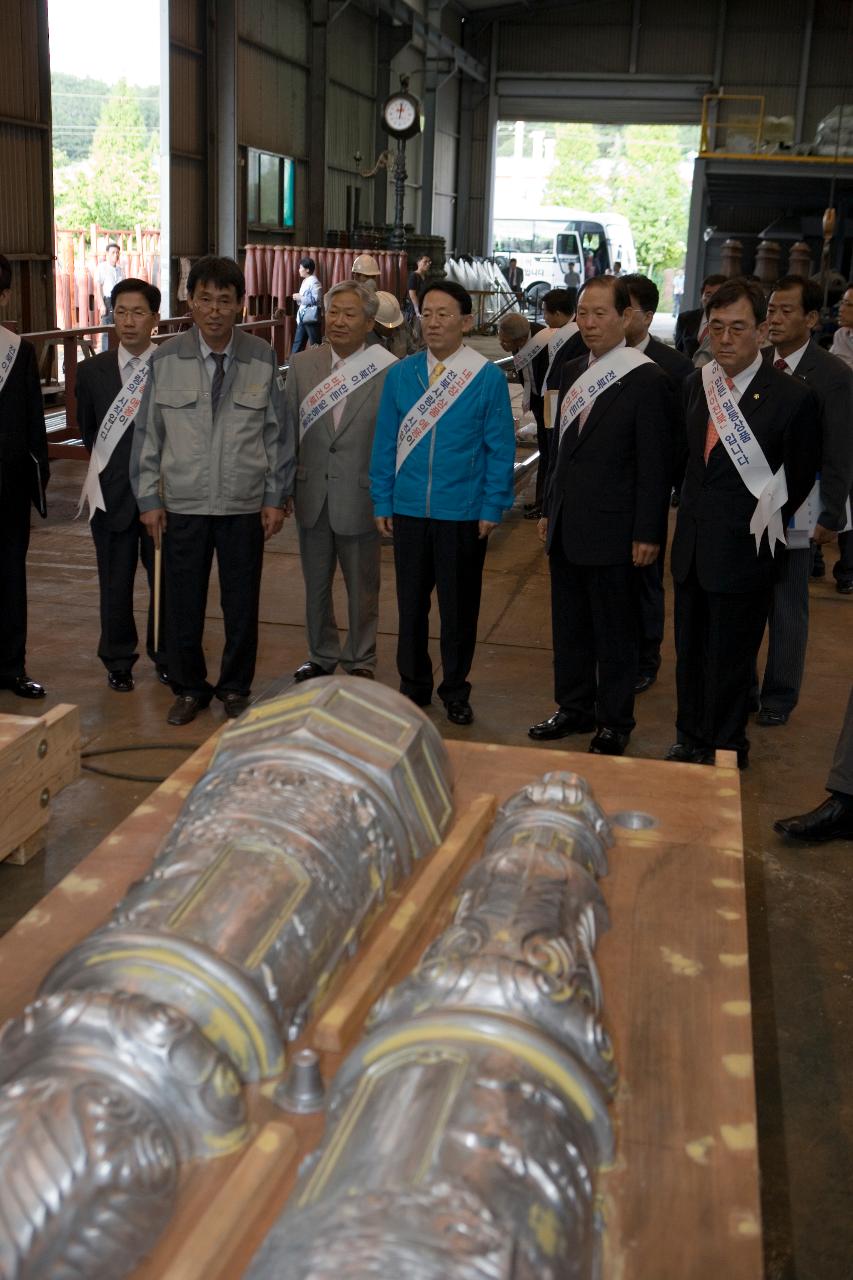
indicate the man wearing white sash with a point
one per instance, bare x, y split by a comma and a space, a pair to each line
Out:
24, 474
564, 343
793, 311
650, 591
331, 401
751, 437
842, 347
441, 475
110, 388
605, 501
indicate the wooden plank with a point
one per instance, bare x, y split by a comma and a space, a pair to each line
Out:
33, 845
338, 1022
207, 1250
38, 757
682, 1199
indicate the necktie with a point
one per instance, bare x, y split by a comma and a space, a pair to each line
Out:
781, 365
436, 373
218, 378
711, 437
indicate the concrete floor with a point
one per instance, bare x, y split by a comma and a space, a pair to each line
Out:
801, 924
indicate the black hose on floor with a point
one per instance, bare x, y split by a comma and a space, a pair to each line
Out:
139, 746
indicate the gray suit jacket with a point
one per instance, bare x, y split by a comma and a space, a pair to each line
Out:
333, 465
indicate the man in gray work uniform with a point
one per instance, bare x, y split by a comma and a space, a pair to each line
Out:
212, 470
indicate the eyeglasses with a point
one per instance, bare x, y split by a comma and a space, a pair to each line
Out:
135, 313
716, 328
215, 304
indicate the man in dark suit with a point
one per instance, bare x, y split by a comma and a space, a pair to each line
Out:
690, 325
24, 474
650, 594
558, 309
723, 585
515, 277
605, 503
793, 312
120, 537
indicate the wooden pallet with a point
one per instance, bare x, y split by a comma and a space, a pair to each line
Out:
39, 755
682, 1198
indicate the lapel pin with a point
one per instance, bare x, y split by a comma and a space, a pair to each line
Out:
755, 395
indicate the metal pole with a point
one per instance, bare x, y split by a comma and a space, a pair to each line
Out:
398, 235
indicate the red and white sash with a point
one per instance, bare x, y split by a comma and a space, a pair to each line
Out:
353, 373
10, 345
601, 375
459, 372
117, 419
770, 490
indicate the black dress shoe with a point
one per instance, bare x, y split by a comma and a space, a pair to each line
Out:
535, 513
234, 703
120, 681
844, 588
364, 672
309, 670
560, 725
645, 682
460, 712
23, 687
162, 674
832, 820
684, 753
771, 719
609, 742
185, 708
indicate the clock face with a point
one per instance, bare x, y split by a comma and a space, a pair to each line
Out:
400, 114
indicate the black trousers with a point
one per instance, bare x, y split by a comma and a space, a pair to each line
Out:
842, 570
446, 555
651, 611
118, 553
594, 627
717, 638
188, 548
14, 541
543, 440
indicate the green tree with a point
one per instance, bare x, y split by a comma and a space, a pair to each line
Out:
578, 179
120, 185
650, 189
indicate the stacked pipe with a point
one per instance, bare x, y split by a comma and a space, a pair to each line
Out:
134, 1059
464, 1133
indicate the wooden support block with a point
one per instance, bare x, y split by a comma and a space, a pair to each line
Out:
206, 1251
337, 1024
29, 848
38, 757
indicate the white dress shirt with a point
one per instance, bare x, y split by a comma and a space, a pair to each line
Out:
793, 359
125, 357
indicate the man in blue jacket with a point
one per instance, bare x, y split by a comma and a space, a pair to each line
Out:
441, 475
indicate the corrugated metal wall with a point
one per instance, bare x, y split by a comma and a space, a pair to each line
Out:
273, 70
189, 215
350, 112
26, 214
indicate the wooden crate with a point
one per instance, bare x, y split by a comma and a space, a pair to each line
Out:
39, 755
682, 1198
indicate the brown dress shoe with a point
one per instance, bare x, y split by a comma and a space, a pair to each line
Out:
185, 708
364, 672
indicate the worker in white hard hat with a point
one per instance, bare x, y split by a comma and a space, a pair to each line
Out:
365, 270
388, 326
